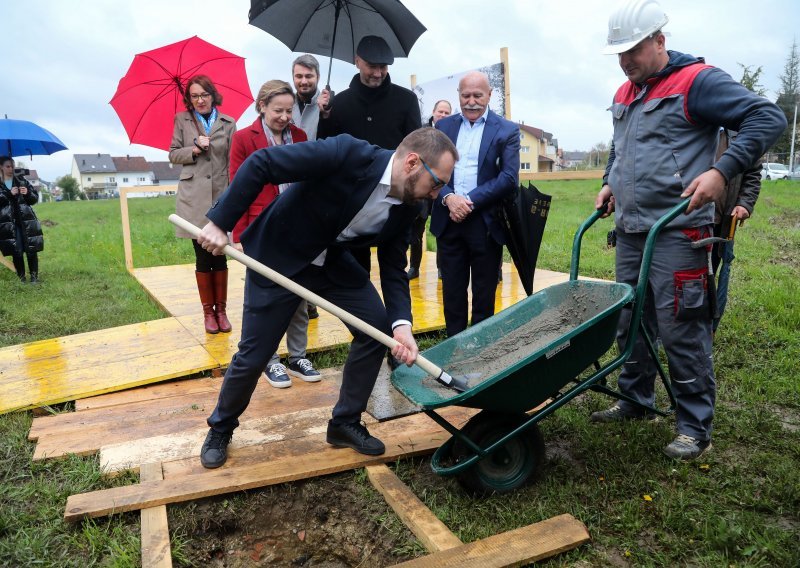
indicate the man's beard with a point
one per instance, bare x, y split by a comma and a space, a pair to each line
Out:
408, 189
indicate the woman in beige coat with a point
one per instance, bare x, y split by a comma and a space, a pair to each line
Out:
201, 142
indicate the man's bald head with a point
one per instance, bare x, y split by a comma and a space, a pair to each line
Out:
474, 93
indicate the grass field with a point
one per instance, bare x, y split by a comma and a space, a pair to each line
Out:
739, 506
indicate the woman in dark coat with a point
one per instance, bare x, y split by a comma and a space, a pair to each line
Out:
20, 230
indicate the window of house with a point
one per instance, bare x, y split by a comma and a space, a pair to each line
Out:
141, 179
524, 148
88, 179
525, 166
124, 180
112, 180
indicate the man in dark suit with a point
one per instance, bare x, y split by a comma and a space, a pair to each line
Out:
469, 240
347, 194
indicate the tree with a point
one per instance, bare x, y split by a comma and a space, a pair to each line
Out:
70, 188
598, 156
750, 79
788, 97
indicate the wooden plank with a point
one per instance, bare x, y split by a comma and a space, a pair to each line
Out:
266, 464
513, 548
7, 263
154, 393
67, 368
178, 445
126, 224
431, 532
156, 551
83, 433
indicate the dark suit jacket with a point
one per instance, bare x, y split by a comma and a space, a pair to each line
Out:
498, 171
335, 177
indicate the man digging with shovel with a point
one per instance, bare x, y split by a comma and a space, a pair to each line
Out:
348, 194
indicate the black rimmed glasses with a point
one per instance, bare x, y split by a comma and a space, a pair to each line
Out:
203, 96
437, 183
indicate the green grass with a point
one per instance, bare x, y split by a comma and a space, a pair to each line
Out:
739, 506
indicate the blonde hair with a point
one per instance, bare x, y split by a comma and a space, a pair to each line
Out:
270, 90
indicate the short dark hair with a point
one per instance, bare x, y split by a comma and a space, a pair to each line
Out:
308, 61
430, 144
207, 84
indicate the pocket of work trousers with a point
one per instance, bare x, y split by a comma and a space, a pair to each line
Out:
691, 294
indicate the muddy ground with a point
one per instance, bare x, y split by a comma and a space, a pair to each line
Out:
332, 522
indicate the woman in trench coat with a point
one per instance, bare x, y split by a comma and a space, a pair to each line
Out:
201, 142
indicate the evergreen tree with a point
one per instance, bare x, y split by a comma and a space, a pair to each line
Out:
788, 97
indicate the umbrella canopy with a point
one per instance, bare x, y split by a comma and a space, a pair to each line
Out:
151, 92
523, 218
23, 138
333, 28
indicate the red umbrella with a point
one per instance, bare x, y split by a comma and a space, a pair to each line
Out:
151, 92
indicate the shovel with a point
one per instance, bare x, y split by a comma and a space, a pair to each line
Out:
458, 384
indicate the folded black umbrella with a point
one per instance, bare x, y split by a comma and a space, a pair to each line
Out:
523, 217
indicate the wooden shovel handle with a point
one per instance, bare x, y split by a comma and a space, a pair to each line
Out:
310, 296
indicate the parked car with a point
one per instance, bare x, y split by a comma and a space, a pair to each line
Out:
771, 170
795, 173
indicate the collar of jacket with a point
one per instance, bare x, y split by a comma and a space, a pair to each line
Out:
370, 93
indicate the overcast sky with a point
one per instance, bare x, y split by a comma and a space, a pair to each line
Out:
64, 58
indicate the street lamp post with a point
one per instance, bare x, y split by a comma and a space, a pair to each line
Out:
794, 128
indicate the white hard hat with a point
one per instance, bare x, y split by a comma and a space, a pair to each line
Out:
632, 22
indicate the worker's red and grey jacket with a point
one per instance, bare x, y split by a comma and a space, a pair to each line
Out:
665, 135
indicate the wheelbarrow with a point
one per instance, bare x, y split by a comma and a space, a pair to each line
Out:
536, 356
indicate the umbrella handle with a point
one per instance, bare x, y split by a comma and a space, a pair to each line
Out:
265, 271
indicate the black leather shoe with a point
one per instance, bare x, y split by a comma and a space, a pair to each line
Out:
313, 312
215, 449
354, 435
412, 273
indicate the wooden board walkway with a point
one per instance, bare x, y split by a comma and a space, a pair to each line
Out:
79, 366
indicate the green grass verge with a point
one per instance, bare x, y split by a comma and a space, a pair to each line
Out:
739, 506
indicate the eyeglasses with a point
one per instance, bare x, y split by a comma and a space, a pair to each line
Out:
203, 96
437, 183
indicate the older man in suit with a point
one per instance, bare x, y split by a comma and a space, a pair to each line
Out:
349, 194
469, 240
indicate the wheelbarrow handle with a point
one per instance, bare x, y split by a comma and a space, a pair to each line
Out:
321, 302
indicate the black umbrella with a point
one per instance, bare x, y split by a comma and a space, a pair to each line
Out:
334, 27
523, 217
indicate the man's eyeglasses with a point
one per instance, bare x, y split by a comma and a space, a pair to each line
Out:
203, 96
437, 183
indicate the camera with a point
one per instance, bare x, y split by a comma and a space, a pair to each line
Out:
22, 172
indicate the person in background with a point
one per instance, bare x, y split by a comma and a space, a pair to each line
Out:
469, 239
733, 206
201, 143
273, 128
441, 109
307, 106
372, 108
666, 120
20, 230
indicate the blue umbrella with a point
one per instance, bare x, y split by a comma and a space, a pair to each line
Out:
23, 138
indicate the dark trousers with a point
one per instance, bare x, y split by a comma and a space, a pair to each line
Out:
467, 249
204, 261
265, 317
33, 263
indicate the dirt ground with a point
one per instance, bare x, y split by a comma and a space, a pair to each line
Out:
325, 523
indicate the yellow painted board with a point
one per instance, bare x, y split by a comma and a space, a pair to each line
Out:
155, 392
273, 463
420, 520
518, 547
155, 527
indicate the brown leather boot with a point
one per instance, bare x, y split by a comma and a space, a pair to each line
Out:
206, 288
220, 280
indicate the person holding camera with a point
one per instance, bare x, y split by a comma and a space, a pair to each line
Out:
201, 142
20, 230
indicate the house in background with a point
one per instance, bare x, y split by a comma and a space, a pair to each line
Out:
571, 160
96, 174
166, 173
133, 171
538, 150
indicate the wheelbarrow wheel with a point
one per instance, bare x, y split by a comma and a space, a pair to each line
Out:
507, 468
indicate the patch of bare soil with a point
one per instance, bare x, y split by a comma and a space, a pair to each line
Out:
330, 522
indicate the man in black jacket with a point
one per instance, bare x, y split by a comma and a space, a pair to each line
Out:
372, 108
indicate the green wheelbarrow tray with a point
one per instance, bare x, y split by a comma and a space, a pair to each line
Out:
532, 355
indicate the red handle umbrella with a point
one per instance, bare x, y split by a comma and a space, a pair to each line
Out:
151, 92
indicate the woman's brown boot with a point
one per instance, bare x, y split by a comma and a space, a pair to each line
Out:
206, 288
220, 280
